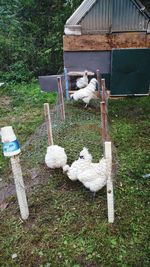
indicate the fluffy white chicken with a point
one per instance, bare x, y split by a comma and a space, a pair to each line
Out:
83, 81
55, 157
87, 93
95, 176
78, 165
92, 175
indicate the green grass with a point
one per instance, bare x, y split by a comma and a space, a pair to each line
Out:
22, 108
66, 228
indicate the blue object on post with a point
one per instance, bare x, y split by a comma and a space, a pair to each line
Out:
10, 144
66, 83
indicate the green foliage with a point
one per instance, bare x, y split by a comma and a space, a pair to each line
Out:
31, 37
18, 72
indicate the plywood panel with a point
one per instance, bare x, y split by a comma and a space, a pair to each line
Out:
148, 40
86, 43
104, 42
91, 61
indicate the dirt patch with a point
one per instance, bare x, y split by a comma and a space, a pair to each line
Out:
95, 127
6, 191
33, 178
5, 101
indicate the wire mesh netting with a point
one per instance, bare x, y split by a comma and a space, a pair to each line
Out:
81, 128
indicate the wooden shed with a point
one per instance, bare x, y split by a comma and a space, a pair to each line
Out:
114, 37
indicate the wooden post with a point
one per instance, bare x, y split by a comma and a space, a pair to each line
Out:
20, 188
66, 83
48, 123
109, 185
103, 90
11, 148
104, 121
61, 99
99, 81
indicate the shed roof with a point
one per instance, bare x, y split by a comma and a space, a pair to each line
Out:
80, 12
86, 5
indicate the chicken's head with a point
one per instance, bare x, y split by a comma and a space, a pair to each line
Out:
85, 155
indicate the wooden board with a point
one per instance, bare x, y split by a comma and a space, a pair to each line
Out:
105, 42
148, 40
80, 73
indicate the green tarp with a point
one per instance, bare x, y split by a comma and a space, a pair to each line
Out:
130, 73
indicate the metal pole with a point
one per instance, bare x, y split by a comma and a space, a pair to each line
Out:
61, 99
66, 83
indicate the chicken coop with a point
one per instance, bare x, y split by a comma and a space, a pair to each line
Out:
114, 37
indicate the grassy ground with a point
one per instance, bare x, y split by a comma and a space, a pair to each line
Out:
22, 107
65, 227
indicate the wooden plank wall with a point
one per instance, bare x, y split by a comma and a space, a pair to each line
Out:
103, 42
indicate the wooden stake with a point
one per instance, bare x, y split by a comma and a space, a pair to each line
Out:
48, 123
20, 188
103, 90
61, 99
104, 121
99, 82
109, 185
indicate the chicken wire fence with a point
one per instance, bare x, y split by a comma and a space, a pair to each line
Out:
80, 127
75, 117
73, 127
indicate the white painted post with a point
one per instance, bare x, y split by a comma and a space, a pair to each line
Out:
48, 123
11, 148
20, 188
109, 185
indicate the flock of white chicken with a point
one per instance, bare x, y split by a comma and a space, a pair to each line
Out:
92, 175
86, 90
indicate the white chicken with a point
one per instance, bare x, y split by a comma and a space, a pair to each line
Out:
55, 157
87, 93
95, 176
83, 81
92, 175
78, 165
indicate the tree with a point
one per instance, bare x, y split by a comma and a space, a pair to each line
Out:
31, 37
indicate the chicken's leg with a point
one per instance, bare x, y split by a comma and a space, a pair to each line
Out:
93, 196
